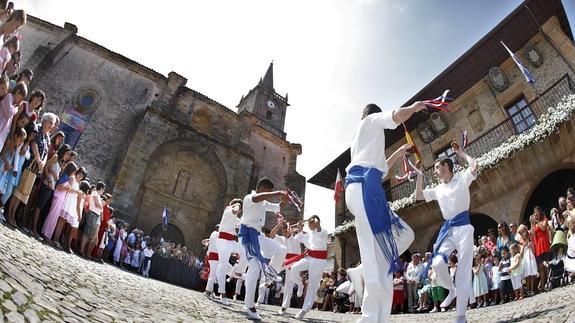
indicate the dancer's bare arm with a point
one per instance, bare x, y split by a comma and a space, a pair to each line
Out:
397, 155
470, 161
403, 114
419, 186
266, 196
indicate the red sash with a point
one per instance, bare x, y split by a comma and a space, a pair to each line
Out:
291, 255
318, 254
227, 236
213, 256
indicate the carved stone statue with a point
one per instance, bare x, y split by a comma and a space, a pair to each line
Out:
425, 132
533, 55
498, 79
438, 123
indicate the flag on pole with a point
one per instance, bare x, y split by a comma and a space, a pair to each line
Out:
339, 187
165, 219
528, 76
412, 144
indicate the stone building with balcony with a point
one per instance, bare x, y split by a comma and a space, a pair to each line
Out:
522, 134
154, 140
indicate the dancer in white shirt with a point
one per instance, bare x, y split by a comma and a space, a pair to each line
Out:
293, 250
213, 260
314, 260
381, 235
227, 243
258, 248
456, 233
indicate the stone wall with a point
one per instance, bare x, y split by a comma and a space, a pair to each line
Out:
154, 141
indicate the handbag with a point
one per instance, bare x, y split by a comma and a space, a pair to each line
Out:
24, 188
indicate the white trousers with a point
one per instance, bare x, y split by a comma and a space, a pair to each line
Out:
357, 281
288, 289
212, 276
378, 291
239, 283
461, 239
315, 268
225, 249
270, 249
263, 292
146, 271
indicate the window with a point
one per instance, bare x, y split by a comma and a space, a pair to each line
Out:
447, 151
269, 115
87, 99
523, 118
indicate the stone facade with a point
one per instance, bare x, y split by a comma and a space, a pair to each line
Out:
154, 141
502, 193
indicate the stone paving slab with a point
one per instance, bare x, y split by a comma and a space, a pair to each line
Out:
41, 284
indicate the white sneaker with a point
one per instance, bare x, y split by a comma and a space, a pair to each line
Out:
282, 311
443, 309
208, 294
236, 297
252, 314
450, 297
224, 300
434, 310
300, 315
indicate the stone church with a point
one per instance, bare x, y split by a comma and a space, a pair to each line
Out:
494, 104
155, 142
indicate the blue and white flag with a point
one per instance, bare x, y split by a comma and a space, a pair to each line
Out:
165, 219
528, 76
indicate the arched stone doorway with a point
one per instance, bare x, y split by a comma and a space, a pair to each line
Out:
480, 222
548, 191
190, 180
172, 234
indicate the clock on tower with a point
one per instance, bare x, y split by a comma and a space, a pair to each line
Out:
266, 104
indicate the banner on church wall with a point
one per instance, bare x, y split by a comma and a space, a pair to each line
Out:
73, 124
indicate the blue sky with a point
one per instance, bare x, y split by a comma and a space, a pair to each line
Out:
333, 57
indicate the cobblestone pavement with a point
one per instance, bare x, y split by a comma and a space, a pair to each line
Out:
38, 283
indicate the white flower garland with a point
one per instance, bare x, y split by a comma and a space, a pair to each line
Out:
547, 124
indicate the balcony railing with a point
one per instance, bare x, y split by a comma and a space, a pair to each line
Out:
498, 134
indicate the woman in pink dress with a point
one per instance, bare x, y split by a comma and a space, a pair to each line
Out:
62, 187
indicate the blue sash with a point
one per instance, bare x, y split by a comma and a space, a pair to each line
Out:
457, 221
249, 238
379, 215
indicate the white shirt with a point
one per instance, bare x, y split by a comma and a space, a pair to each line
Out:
412, 272
453, 197
212, 244
93, 207
291, 243
254, 214
314, 240
229, 221
368, 143
148, 252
